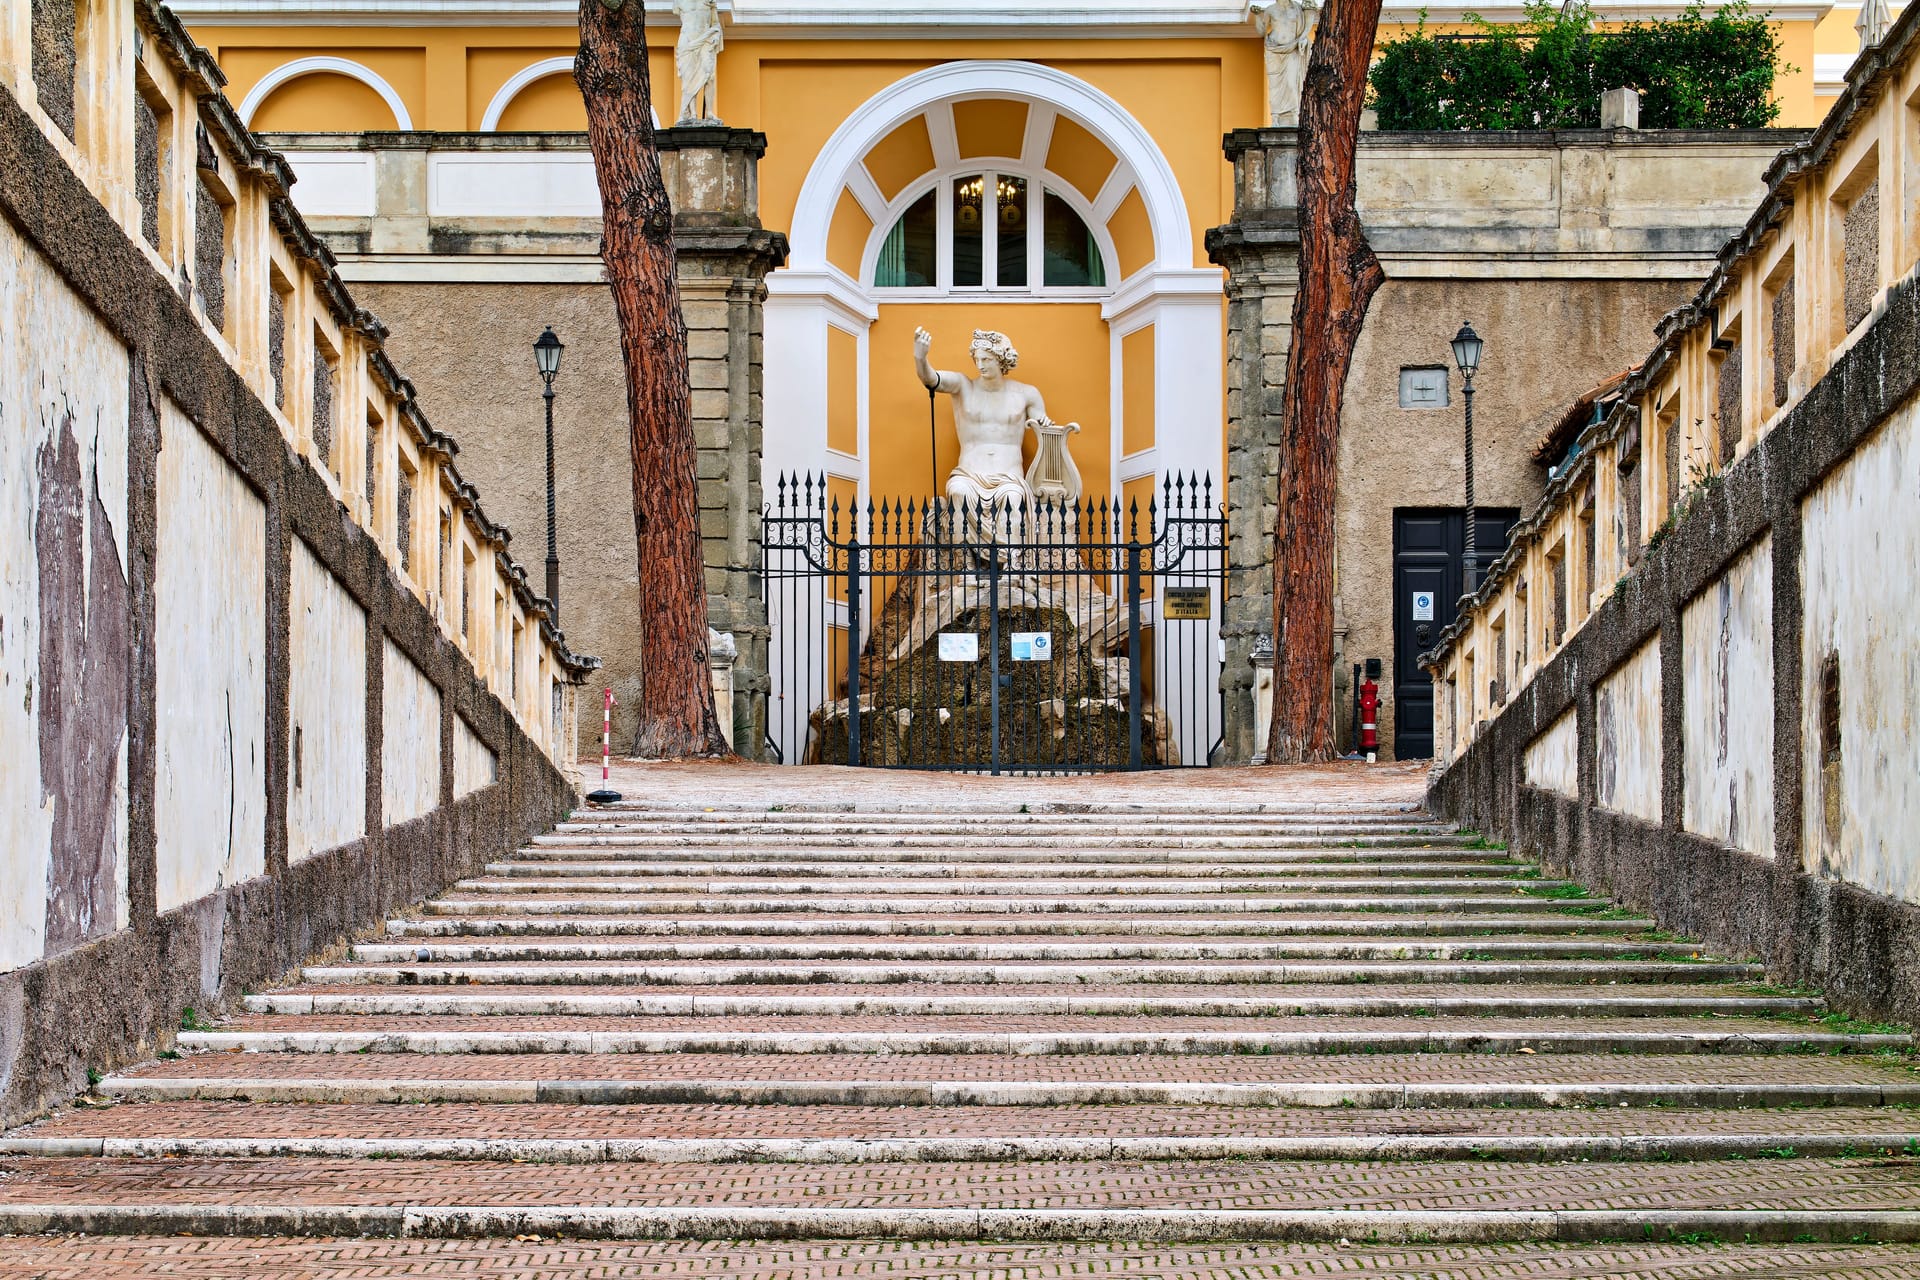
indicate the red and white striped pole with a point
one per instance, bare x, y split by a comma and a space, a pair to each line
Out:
606, 794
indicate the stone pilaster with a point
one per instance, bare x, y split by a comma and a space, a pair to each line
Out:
1260, 250
724, 256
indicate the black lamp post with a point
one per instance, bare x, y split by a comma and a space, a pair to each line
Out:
1467, 347
546, 357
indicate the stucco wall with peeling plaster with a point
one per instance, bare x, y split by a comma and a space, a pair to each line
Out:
327, 746
210, 589
1627, 732
1553, 758
474, 763
1860, 545
63, 555
1727, 729
410, 746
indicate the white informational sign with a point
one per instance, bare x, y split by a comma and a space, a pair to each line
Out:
959, 646
1423, 606
1033, 646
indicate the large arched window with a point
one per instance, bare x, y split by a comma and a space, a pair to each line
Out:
991, 230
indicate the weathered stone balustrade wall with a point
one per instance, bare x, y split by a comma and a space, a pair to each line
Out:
266, 670
472, 242
1693, 680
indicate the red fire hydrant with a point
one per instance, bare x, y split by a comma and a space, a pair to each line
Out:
1370, 719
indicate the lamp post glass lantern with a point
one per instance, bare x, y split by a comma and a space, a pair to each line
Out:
1467, 349
546, 358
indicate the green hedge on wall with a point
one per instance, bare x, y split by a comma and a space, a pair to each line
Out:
1548, 72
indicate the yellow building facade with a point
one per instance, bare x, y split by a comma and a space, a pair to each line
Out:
1046, 170
1097, 129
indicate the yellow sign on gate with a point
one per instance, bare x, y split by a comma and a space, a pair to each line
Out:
1186, 604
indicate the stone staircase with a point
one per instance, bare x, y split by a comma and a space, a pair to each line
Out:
1335, 1023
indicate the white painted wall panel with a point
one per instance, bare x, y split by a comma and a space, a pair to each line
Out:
210, 806
1727, 640
410, 743
63, 377
1553, 758
551, 184
1627, 735
474, 764
327, 735
1861, 544
335, 184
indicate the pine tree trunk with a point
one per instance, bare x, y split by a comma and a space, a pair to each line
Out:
1338, 277
676, 700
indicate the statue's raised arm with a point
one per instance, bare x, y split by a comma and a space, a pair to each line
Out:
931, 378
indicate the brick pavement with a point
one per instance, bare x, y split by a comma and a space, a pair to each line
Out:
176, 1259
1799, 1183
1256, 929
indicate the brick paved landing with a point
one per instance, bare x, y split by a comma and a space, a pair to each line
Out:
137, 1258
1263, 1016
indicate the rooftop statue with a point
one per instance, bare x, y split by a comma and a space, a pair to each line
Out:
1287, 27
696, 58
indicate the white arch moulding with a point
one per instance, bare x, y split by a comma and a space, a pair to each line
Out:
1182, 302
518, 83
1066, 95
287, 71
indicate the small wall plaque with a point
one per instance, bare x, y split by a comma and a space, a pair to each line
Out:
1187, 604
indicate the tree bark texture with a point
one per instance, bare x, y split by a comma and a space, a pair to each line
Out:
1338, 277
676, 700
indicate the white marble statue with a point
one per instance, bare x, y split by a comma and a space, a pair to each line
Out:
992, 415
995, 497
1286, 27
696, 58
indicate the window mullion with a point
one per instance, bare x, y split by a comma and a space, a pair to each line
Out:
1036, 237
990, 231
943, 234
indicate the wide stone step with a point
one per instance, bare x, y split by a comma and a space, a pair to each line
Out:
1079, 811
473, 950
1015, 860
1212, 870
1437, 1039
1366, 1080
1049, 1024
1126, 838
533, 880
1110, 1184
1034, 825
854, 1135
551, 1258
1036, 973
852, 926
841, 906
993, 835
1434, 1000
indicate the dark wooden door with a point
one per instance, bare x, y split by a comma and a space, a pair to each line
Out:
1428, 576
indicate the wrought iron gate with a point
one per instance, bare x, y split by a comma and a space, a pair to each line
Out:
1051, 637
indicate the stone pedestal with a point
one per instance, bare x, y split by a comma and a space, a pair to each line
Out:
724, 254
1260, 250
